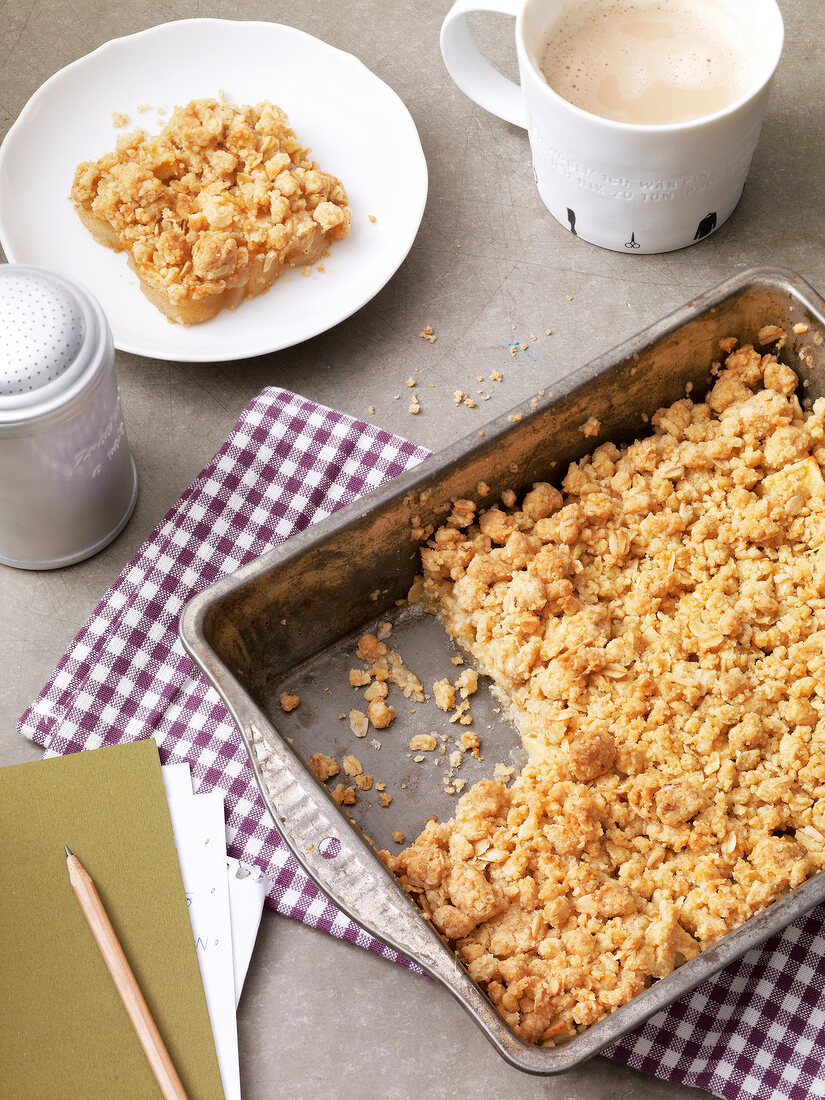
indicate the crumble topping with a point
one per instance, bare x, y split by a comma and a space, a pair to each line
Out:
658, 632
444, 694
289, 702
323, 767
220, 200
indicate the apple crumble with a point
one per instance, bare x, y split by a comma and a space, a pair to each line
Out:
658, 632
212, 208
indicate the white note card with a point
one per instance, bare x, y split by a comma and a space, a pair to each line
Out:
246, 904
200, 837
177, 780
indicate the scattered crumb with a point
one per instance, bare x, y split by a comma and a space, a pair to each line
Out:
377, 690
375, 744
342, 717
397, 835
144, 107
344, 796
423, 742
461, 716
380, 786
480, 433
383, 631
482, 488
548, 332
502, 771
590, 427
380, 714
119, 119
289, 702
358, 723
358, 678
456, 660
508, 498
385, 800
455, 759
496, 376
372, 218
411, 382
321, 268
364, 782
800, 327
429, 335
369, 647
769, 334
467, 683
323, 767
514, 418
444, 694
352, 766
371, 410
470, 742
728, 344
569, 297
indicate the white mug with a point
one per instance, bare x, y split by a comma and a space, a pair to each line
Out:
627, 187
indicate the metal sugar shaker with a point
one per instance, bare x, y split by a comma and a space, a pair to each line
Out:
68, 484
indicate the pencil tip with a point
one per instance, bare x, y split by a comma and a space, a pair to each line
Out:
68, 852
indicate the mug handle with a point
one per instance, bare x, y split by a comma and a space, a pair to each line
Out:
472, 72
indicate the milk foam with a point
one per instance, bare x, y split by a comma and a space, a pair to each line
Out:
652, 61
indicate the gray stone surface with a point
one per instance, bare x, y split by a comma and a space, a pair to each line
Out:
320, 1017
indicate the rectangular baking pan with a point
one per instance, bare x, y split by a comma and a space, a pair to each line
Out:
290, 620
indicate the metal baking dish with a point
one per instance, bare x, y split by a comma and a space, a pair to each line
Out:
289, 620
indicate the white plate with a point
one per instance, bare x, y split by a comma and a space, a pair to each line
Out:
357, 127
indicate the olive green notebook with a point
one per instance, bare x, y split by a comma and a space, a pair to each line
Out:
64, 1032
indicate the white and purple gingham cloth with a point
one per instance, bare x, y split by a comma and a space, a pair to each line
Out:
754, 1032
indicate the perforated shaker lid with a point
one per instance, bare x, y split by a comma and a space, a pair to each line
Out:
50, 335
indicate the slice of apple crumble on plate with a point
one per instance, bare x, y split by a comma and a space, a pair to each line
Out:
212, 208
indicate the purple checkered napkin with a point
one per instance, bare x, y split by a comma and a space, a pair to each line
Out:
754, 1032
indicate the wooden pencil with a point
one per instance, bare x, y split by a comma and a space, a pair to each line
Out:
125, 981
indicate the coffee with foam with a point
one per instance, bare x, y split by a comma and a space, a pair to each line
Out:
652, 62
